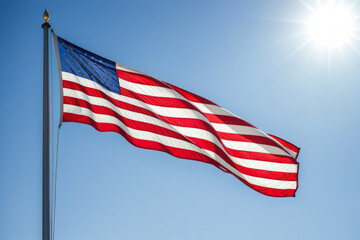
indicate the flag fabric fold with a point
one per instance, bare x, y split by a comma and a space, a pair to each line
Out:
157, 115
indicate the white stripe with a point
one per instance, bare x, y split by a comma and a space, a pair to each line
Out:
254, 147
169, 111
127, 69
268, 166
189, 132
177, 143
212, 109
237, 129
153, 91
157, 91
164, 111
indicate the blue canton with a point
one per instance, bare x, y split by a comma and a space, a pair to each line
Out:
83, 63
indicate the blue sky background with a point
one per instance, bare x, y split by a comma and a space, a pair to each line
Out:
241, 55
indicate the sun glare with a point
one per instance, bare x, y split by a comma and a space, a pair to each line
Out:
331, 25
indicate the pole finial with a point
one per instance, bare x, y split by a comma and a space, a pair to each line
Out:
46, 15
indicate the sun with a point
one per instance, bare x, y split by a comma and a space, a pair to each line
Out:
331, 24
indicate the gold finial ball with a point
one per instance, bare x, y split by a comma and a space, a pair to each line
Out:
46, 15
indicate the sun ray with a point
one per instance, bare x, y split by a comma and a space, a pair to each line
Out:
353, 48
310, 52
295, 52
279, 42
307, 6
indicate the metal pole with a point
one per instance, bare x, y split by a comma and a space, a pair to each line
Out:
46, 128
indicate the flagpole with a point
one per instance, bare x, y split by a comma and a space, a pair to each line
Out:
46, 128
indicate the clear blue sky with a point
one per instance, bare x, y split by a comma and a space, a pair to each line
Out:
241, 55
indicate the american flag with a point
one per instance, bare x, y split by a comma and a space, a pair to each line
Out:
157, 115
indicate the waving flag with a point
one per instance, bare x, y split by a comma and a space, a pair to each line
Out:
156, 115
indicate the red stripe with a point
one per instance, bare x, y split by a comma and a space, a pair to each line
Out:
193, 123
140, 78
182, 122
179, 103
180, 153
267, 157
108, 127
97, 93
159, 101
191, 96
147, 80
163, 102
147, 126
204, 144
143, 126
227, 120
286, 144
247, 138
